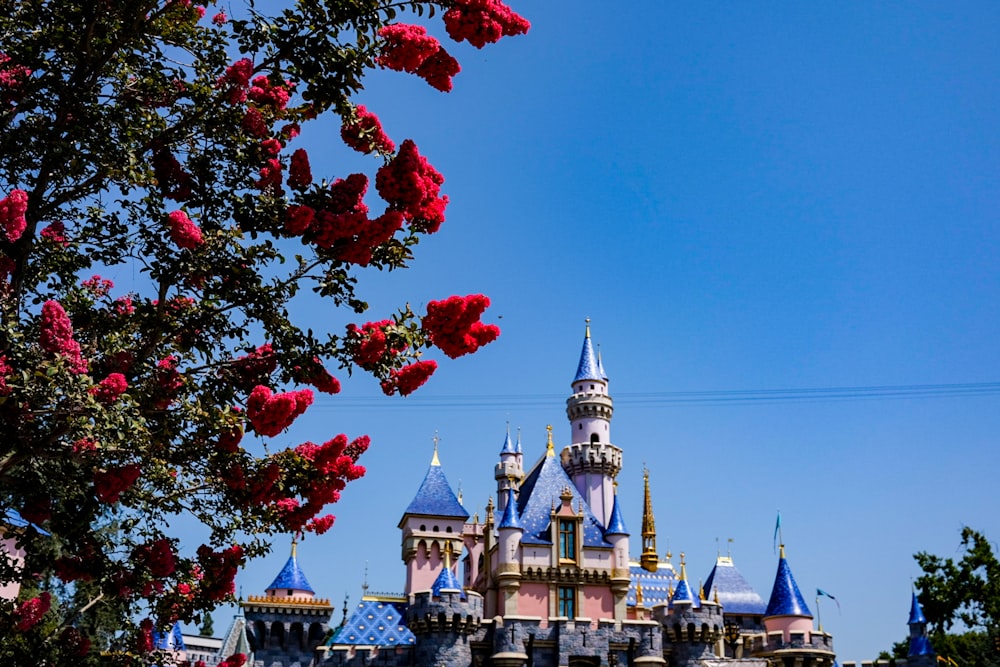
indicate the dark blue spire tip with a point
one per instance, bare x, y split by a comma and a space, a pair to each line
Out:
786, 600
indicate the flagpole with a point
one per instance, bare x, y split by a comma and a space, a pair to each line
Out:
819, 617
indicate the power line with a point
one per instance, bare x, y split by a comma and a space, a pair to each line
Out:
677, 398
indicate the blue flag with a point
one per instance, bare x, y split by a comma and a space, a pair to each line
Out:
820, 591
777, 531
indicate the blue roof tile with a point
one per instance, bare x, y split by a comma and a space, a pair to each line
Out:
616, 523
735, 593
588, 368
916, 611
374, 623
656, 586
446, 581
508, 445
786, 600
435, 497
600, 365
920, 645
684, 593
291, 577
540, 489
510, 518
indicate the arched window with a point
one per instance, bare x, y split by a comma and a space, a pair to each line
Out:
593, 438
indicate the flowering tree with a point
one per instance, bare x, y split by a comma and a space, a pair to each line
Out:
151, 134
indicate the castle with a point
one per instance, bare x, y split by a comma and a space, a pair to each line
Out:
546, 580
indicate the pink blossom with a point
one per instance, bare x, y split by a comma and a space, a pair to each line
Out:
109, 485
270, 175
453, 324
299, 173
110, 388
365, 134
5, 371
12, 210
271, 413
56, 233
237, 80
408, 48
56, 336
30, 612
411, 185
253, 123
220, 18
408, 379
298, 219
183, 231
483, 22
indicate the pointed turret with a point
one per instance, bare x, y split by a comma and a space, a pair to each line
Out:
600, 365
684, 593
433, 522
508, 471
590, 460
510, 518
446, 580
921, 652
728, 585
786, 600
649, 559
291, 582
616, 524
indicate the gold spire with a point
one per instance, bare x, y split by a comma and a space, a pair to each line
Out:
436, 461
588, 327
447, 555
648, 560
701, 590
550, 449
295, 547
638, 594
684, 572
781, 550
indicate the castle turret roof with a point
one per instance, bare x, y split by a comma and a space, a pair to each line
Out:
169, 641
735, 593
291, 576
540, 492
786, 600
375, 622
916, 611
684, 593
508, 444
588, 369
616, 522
446, 581
600, 365
510, 518
435, 497
920, 645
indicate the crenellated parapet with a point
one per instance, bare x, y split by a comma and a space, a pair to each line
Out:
589, 406
815, 646
449, 612
600, 458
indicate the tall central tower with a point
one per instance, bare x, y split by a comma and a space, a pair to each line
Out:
591, 461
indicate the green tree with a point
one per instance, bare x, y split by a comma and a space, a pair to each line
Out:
147, 134
967, 592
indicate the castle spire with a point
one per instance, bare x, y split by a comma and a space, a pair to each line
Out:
786, 600
587, 369
920, 643
649, 559
550, 449
435, 461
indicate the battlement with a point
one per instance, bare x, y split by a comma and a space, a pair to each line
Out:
592, 457
817, 645
589, 404
445, 613
912, 661
688, 624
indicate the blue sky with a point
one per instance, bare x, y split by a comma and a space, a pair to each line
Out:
741, 196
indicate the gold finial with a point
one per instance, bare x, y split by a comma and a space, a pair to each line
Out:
295, 547
579, 508
701, 590
781, 550
550, 449
447, 555
715, 595
475, 519
436, 461
684, 574
566, 495
588, 327
638, 594
649, 561
460, 493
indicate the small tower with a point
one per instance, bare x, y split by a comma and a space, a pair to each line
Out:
693, 624
508, 573
616, 534
921, 653
433, 521
789, 623
508, 472
285, 625
649, 560
591, 461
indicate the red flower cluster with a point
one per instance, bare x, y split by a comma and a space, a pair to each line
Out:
365, 134
453, 324
337, 468
320, 524
158, 556
109, 485
144, 641
271, 413
5, 370
183, 231
267, 94
220, 19
74, 642
408, 379
37, 510
55, 233
253, 123
408, 48
56, 336
318, 377
411, 185
168, 379
110, 389
299, 173
219, 570
298, 219
253, 368
12, 210
368, 342
270, 175
237, 80
97, 285
173, 181
12, 80
30, 612
235, 660
483, 22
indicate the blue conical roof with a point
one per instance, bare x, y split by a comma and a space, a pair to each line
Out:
508, 445
435, 497
588, 368
735, 593
786, 600
169, 641
446, 581
616, 523
600, 365
916, 611
517, 447
920, 645
510, 518
540, 491
291, 576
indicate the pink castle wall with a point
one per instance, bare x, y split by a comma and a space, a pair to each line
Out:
9, 549
598, 602
533, 600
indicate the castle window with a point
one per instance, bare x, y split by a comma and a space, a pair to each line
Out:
593, 438
448, 529
591, 387
581, 427
567, 601
567, 540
